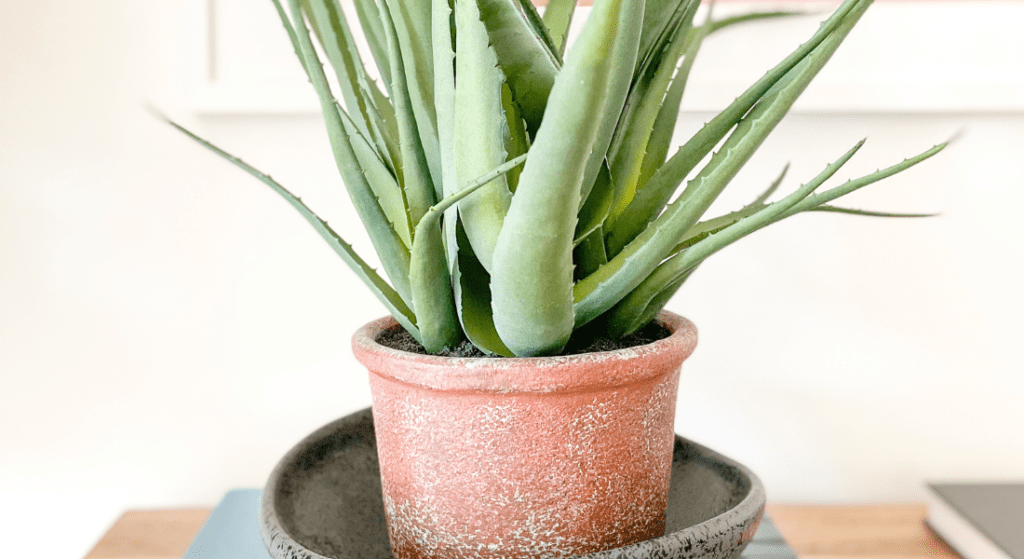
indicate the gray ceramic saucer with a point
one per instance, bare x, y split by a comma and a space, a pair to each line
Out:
323, 501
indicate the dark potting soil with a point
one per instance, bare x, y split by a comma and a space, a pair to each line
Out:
581, 342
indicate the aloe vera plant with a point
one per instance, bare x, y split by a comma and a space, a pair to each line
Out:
517, 190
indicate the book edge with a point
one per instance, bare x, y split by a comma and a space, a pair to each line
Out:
207, 534
958, 530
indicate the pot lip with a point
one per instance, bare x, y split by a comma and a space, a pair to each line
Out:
585, 371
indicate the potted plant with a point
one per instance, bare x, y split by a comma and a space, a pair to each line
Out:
522, 201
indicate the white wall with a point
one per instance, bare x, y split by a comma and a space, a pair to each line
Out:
169, 327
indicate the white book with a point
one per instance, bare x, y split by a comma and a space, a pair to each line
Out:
979, 520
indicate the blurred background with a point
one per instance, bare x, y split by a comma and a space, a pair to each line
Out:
169, 327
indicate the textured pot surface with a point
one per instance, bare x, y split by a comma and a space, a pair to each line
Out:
524, 457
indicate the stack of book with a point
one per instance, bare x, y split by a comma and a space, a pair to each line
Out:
233, 531
979, 520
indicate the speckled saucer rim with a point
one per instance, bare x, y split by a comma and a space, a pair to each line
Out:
747, 513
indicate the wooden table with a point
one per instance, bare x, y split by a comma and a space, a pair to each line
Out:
815, 532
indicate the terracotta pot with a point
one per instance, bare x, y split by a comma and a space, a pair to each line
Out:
524, 457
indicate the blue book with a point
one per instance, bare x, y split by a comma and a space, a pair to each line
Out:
768, 543
233, 529
233, 532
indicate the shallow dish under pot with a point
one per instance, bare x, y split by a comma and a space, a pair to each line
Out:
323, 501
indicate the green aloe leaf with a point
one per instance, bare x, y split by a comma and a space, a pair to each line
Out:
473, 299
815, 202
634, 132
532, 266
589, 254
608, 120
380, 179
514, 136
631, 310
654, 75
867, 213
431, 287
624, 96
292, 36
764, 196
480, 125
331, 28
359, 90
617, 324
595, 210
435, 211
431, 283
389, 130
373, 29
444, 90
443, 25
380, 288
558, 18
711, 226
529, 64
393, 253
665, 124
661, 19
657, 191
658, 288
724, 23
820, 198
603, 289
411, 21
416, 179
540, 29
